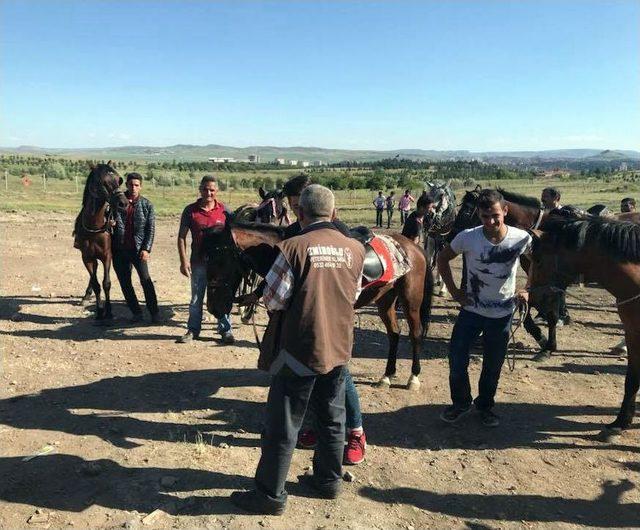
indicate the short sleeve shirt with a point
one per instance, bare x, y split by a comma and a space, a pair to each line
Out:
412, 226
379, 202
196, 219
491, 269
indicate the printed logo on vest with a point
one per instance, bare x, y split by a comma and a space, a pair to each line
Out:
330, 257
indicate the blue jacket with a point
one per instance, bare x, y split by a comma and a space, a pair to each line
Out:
144, 225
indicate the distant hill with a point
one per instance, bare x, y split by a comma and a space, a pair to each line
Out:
270, 153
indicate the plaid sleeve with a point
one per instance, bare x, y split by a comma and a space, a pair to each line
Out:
279, 286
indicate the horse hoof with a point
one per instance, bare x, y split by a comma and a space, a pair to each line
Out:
609, 433
413, 383
542, 356
245, 320
385, 382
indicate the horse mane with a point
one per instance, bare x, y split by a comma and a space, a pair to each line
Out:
522, 200
95, 177
258, 227
618, 239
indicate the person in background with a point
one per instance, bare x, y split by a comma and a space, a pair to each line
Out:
550, 199
134, 231
390, 205
413, 225
627, 205
206, 212
379, 203
404, 205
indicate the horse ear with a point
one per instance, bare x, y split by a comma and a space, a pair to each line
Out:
91, 165
261, 192
120, 181
478, 188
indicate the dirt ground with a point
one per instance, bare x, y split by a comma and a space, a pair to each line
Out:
137, 423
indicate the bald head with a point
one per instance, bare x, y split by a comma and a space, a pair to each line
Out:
316, 204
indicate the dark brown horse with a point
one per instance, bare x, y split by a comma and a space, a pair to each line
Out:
525, 213
102, 194
271, 210
239, 248
607, 252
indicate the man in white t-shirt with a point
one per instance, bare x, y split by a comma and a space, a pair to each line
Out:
488, 299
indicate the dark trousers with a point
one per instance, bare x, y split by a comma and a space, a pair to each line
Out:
389, 217
403, 216
123, 260
495, 338
289, 396
379, 217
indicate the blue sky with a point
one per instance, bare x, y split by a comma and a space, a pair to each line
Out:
382, 75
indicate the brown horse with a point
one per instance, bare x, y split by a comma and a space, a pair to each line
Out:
102, 193
271, 210
607, 252
239, 248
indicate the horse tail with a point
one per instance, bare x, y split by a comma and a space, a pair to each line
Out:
427, 298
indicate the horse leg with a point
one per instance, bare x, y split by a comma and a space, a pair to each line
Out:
87, 293
106, 285
92, 268
412, 311
387, 311
631, 385
534, 330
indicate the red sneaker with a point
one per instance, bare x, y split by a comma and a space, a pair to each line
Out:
307, 439
355, 449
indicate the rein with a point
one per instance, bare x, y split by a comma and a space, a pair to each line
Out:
522, 308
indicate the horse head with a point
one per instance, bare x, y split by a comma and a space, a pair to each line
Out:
441, 219
103, 185
467, 215
225, 268
550, 272
272, 208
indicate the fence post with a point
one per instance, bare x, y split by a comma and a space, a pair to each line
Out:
44, 181
6, 180
77, 188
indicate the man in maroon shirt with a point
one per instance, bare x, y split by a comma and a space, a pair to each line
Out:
206, 212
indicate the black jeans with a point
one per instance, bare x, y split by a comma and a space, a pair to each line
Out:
289, 397
379, 217
495, 338
123, 260
389, 217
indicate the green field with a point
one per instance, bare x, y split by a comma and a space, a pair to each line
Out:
61, 196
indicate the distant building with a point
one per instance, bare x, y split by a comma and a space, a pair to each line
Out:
318, 163
254, 159
280, 161
624, 166
293, 162
304, 163
222, 159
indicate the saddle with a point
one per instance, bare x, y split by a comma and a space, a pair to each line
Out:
373, 268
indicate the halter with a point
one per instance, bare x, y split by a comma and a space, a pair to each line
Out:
110, 195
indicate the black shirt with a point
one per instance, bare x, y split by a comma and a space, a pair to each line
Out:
412, 226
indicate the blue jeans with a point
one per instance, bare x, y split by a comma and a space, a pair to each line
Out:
495, 338
198, 290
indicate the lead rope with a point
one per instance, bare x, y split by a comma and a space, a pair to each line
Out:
523, 311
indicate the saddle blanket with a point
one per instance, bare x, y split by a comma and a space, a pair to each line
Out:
394, 260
